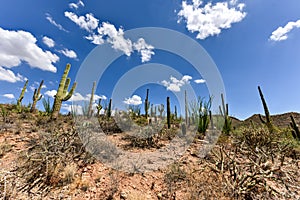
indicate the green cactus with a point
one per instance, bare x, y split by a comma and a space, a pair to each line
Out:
175, 112
36, 97
99, 107
147, 104
186, 109
268, 121
108, 112
90, 109
168, 113
224, 112
19, 101
161, 109
62, 92
295, 129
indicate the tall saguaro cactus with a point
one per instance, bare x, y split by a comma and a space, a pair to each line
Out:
36, 96
19, 101
168, 113
90, 109
147, 104
62, 92
186, 109
268, 121
108, 113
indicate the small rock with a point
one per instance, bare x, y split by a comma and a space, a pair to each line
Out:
123, 195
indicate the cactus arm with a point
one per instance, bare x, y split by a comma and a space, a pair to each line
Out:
69, 95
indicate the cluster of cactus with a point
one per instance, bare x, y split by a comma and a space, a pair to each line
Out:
295, 129
227, 120
62, 92
268, 121
203, 114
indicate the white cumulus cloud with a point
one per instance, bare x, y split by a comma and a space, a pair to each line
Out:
199, 81
174, 84
68, 53
9, 96
134, 100
10, 76
53, 22
76, 5
109, 33
18, 46
209, 19
48, 41
51, 93
87, 22
146, 50
281, 33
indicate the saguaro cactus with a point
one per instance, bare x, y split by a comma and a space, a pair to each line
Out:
295, 129
62, 92
36, 96
90, 109
99, 107
147, 104
175, 113
19, 101
108, 113
186, 109
168, 113
224, 113
161, 109
268, 121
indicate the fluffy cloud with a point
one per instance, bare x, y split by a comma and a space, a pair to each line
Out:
76, 5
9, 96
209, 19
51, 20
18, 46
174, 84
48, 41
87, 22
109, 33
50, 93
144, 49
77, 109
281, 33
134, 100
10, 76
79, 97
68, 53
198, 81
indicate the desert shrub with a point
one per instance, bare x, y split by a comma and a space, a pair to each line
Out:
49, 161
255, 166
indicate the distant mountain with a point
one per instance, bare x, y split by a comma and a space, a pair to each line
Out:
280, 120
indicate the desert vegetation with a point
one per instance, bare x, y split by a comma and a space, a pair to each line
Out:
43, 155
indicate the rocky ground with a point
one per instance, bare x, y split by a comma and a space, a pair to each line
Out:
42, 159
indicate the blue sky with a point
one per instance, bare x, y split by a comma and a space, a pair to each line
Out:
252, 43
